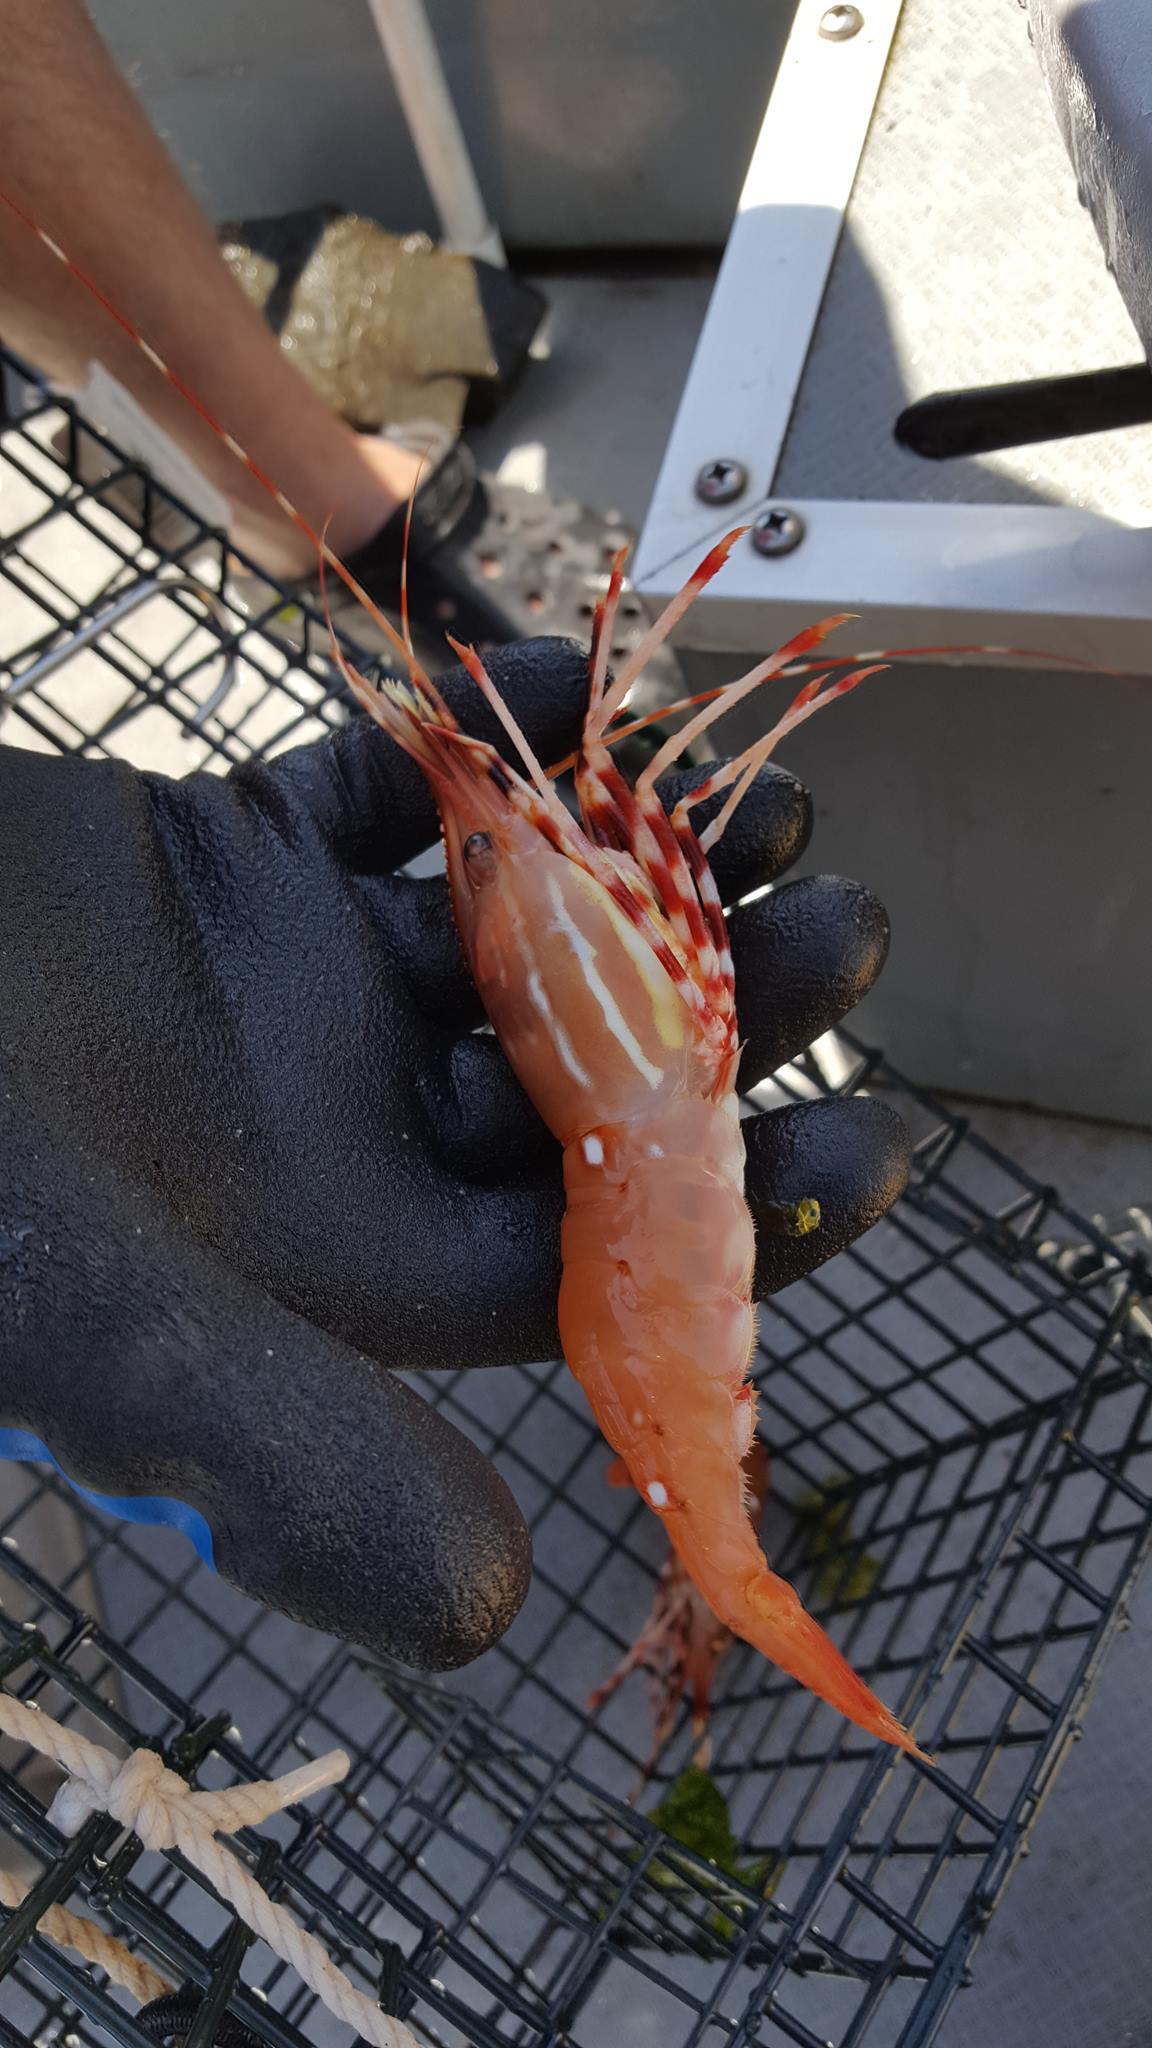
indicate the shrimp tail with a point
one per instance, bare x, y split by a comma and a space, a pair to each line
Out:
772, 1619
765, 1611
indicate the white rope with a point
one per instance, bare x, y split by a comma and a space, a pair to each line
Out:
70, 1930
166, 1813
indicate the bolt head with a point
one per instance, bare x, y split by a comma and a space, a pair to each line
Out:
840, 23
722, 482
777, 531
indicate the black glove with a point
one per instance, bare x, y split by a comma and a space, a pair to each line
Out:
252, 1155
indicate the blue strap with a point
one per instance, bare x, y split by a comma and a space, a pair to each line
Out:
154, 1509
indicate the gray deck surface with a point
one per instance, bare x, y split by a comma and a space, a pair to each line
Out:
967, 260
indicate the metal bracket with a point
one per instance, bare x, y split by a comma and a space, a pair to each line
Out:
1005, 574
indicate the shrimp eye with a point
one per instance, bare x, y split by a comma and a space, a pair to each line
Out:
480, 857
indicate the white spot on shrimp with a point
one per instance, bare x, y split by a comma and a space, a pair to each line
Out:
743, 1422
657, 1493
637, 1417
593, 1149
655, 1151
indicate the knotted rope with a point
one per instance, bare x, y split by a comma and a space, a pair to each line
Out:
152, 1802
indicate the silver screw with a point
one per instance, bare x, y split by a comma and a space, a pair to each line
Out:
778, 531
720, 482
839, 24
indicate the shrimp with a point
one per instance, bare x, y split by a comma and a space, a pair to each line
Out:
599, 950
600, 953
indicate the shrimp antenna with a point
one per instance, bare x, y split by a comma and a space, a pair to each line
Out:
491, 695
746, 766
733, 693
602, 625
609, 704
405, 623
885, 654
172, 377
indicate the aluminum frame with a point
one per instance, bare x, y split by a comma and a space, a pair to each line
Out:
1009, 575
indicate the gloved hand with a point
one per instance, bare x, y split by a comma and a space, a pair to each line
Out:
252, 1155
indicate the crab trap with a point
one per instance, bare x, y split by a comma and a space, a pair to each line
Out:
958, 1413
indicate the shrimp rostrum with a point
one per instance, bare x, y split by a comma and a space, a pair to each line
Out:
600, 952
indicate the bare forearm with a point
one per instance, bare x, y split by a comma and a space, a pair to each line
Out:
77, 152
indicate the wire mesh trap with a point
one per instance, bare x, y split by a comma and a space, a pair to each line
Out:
125, 629
958, 1416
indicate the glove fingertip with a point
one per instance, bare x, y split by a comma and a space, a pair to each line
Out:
805, 955
850, 1155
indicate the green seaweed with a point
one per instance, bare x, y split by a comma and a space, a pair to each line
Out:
694, 1813
847, 1574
